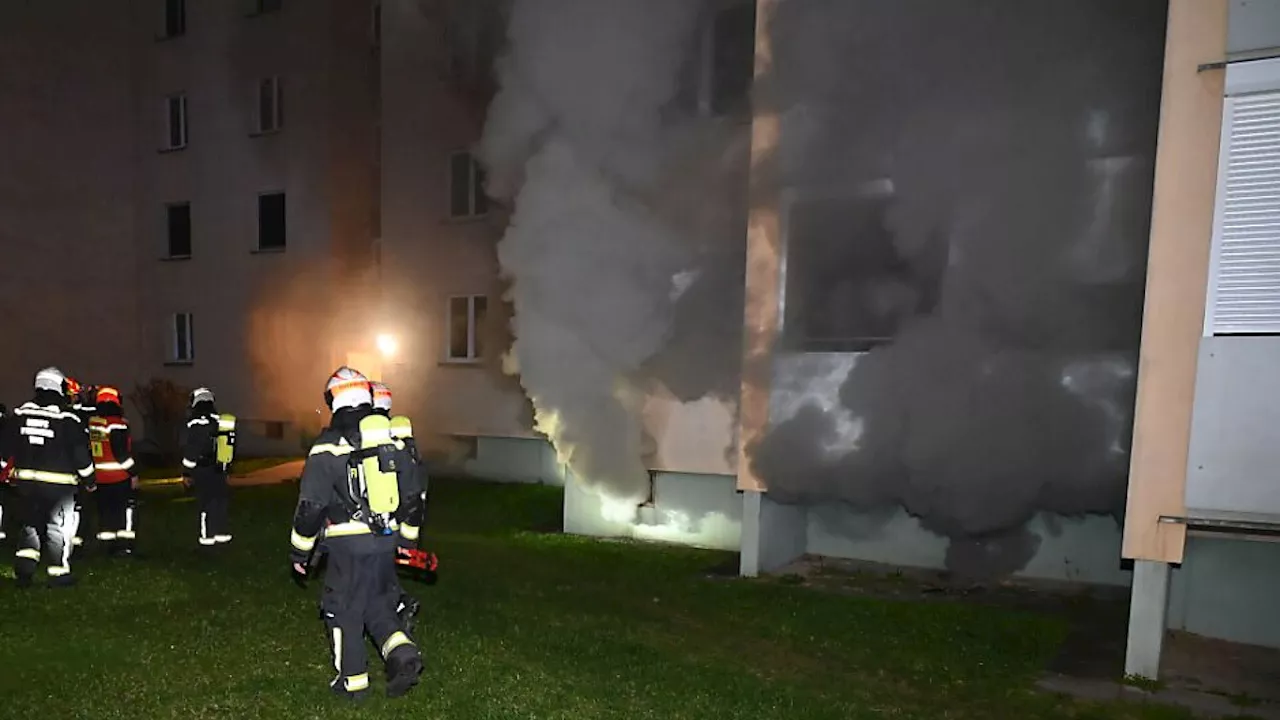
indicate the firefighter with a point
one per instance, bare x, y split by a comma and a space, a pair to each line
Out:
206, 462
4, 474
407, 606
44, 442
82, 406
111, 447
352, 478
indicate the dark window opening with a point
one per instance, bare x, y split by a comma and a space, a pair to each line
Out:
466, 187
183, 338
733, 57
176, 121
848, 289
273, 430
271, 222
175, 18
179, 230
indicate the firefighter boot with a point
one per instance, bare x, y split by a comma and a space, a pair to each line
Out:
403, 668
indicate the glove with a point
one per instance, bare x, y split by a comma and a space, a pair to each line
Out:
90, 487
133, 482
298, 571
186, 482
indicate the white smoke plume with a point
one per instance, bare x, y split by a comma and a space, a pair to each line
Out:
587, 140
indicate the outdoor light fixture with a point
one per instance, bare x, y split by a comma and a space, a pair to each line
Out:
387, 345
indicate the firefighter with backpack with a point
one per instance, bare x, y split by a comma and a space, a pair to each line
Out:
361, 482
112, 448
207, 454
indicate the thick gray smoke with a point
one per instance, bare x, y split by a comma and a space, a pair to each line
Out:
616, 189
985, 242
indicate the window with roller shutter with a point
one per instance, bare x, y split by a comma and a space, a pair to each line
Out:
1244, 288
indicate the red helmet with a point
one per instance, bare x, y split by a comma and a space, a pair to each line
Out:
108, 394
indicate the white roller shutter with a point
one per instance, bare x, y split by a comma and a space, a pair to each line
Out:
1245, 270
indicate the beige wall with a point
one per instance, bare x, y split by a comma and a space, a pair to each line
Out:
426, 256
760, 317
1181, 230
266, 324
66, 219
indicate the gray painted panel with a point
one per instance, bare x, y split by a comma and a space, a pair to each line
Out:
1253, 25
1234, 458
1227, 589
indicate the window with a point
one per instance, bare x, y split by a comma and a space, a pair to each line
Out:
273, 430
175, 122
847, 287
271, 222
466, 187
175, 18
719, 77
732, 59
263, 7
1244, 288
184, 350
178, 224
465, 327
270, 105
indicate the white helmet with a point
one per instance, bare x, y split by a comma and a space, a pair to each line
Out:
347, 388
381, 396
51, 378
200, 395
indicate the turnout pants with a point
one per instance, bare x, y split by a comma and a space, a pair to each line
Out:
4, 497
116, 504
49, 524
360, 596
213, 496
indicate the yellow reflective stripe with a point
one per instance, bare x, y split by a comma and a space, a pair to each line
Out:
305, 544
58, 571
106, 536
396, 640
188, 463
29, 554
331, 448
347, 528
49, 477
113, 466
356, 683
126, 535
86, 471
127, 464
409, 532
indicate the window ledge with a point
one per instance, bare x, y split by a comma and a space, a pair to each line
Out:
174, 258
167, 38
180, 363
462, 362
167, 150
265, 133
466, 219
268, 251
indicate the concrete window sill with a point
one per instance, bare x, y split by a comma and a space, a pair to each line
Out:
180, 363
167, 150
268, 251
266, 133
174, 258
462, 362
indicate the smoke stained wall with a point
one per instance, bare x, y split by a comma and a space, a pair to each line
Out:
966, 197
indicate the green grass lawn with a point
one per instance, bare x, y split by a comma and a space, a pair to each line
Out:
241, 467
521, 625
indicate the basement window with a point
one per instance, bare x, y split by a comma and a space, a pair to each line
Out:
847, 288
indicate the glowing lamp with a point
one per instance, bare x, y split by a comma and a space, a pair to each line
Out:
387, 345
